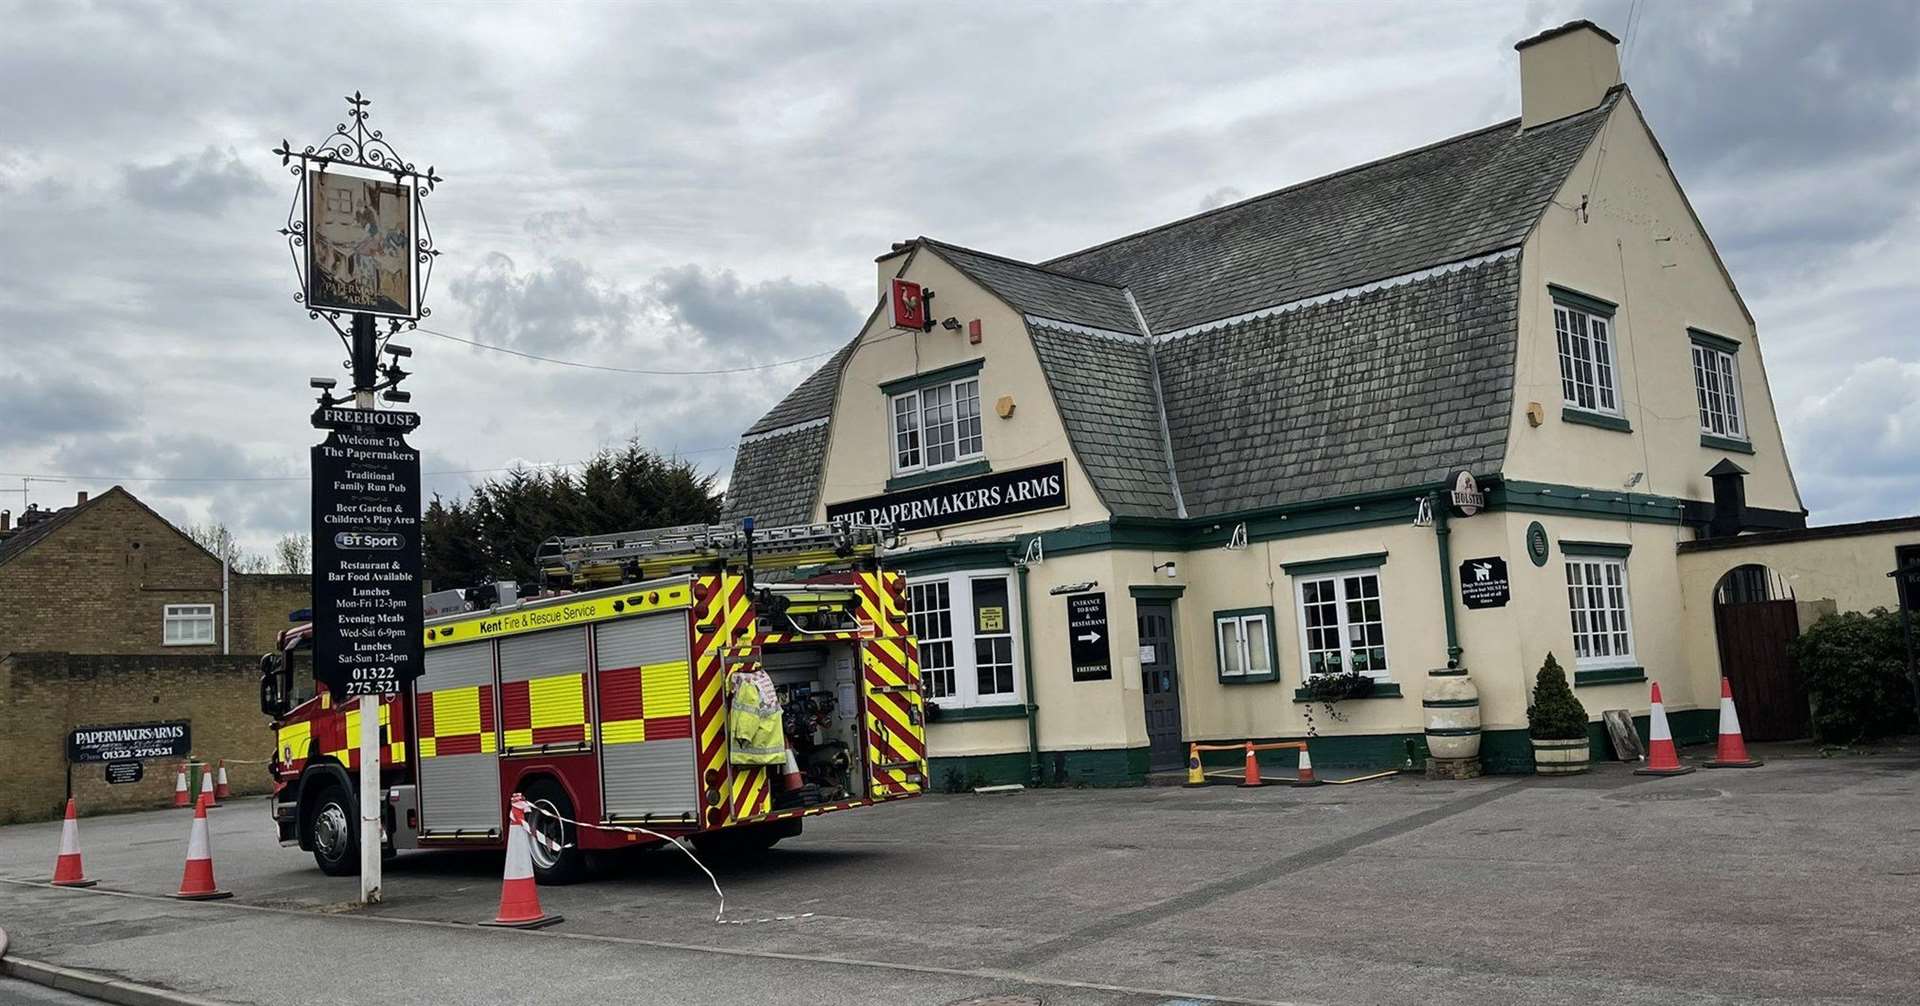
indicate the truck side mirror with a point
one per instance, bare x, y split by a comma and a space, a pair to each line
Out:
273, 691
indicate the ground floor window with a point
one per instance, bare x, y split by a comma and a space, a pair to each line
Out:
966, 626
1342, 628
186, 625
1597, 603
1243, 644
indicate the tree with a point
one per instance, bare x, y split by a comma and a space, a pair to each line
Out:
214, 537
495, 532
293, 553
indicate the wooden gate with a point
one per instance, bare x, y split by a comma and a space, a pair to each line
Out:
1756, 625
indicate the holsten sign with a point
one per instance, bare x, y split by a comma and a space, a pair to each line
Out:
962, 501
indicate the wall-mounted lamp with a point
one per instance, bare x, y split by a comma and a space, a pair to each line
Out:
951, 324
1173, 571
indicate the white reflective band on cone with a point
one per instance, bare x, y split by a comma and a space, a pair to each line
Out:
1729, 716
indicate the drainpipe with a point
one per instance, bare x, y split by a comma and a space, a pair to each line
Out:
1441, 535
226, 623
1026, 660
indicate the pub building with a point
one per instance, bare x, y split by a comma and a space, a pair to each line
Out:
1148, 488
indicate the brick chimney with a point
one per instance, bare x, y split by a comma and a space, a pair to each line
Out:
6, 521
1565, 71
82, 501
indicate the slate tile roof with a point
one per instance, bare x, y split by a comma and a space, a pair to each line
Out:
1450, 201
1382, 386
1104, 388
1044, 292
1391, 388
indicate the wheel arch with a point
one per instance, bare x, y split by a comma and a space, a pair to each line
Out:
314, 781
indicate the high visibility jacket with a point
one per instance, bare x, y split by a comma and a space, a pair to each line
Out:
753, 722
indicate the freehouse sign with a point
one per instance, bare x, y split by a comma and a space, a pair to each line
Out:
962, 501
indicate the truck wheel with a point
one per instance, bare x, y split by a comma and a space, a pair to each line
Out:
554, 860
334, 827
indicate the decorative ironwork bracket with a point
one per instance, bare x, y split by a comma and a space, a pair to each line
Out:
353, 144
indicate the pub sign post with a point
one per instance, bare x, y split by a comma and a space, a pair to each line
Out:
360, 244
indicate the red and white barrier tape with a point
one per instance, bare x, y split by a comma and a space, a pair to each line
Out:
546, 809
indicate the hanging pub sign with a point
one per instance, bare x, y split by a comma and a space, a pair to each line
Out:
1483, 583
909, 305
1087, 637
130, 741
1464, 498
961, 501
360, 238
367, 609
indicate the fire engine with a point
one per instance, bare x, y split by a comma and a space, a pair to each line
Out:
606, 701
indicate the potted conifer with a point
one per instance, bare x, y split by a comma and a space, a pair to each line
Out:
1557, 723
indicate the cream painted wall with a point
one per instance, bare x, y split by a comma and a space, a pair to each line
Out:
859, 453
1640, 249
1849, 571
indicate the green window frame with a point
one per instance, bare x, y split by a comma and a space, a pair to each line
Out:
1237, 646
1716, 389
1589, 358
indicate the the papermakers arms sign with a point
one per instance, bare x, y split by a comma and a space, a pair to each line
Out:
997, 494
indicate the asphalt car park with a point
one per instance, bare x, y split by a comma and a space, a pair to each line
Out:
1790, 883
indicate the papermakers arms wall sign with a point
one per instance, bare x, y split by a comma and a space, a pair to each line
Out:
366, 552
130, 741
996, 494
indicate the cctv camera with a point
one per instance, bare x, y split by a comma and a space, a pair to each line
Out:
325, 383
398, 350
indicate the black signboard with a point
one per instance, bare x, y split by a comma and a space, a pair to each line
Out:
1483, 582
1087, 635
366, 552
995, 494
122, 772
130, 741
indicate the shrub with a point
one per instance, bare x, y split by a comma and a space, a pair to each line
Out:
1334, 687
1555, 714
1854, 666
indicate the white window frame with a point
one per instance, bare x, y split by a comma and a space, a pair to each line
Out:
1573, 331
964, 628
1716, 388
1343, 625
907, 418
184, 615
1577, 597
1240, 649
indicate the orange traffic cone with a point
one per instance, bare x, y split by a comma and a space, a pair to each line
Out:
519, 895
196, 884
1662, 759
206, 788
220, 790
1733, 746
791, 780
67, 871
1306, 777
1252, 778
180, 797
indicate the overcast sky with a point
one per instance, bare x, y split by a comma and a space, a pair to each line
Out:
686, 187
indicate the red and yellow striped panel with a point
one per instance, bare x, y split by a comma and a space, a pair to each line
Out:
647, 703
750, 792
896, 739
723, 627
456, 721
546, 710
883, 602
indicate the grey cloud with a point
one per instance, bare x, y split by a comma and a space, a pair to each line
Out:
1220, 197
566, 225
201, 183
560, 305
736, 317
37, 409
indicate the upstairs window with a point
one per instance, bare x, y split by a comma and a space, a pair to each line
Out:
1716, 386
937, 427
186, 625
1587, 377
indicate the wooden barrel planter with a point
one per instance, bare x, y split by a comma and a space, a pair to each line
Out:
1560, 757
1452, 705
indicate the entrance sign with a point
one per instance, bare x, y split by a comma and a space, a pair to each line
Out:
996, 494
120, 773
1087, 637
1464, 498
367, 610
1483, 583
130, 741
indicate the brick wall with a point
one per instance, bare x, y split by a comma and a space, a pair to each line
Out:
43, 696
99, 583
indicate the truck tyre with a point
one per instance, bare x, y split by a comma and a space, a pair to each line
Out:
333, 827
555, 859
